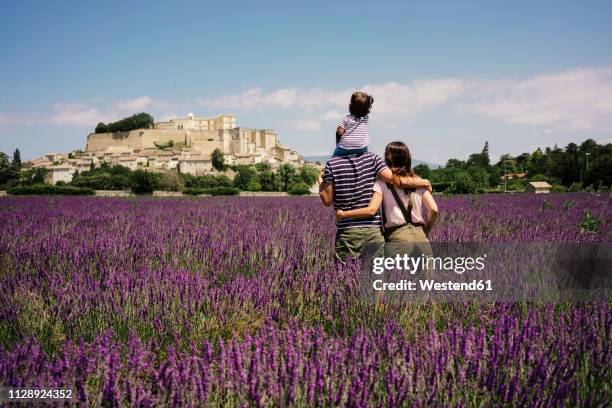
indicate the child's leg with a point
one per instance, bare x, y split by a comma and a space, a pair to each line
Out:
340, 151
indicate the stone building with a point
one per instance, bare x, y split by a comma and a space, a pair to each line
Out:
538, 187
183, 144
62, 172
240, 145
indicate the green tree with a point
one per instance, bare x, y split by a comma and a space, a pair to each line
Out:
137, 121
7, 172
101, 128
16, 163
299, 188
245, 176
171, 181
268, 181
253, 185
218, 162
263, 167
286, 173
143, 182
309, 174
463, 183
40, 174
423, 170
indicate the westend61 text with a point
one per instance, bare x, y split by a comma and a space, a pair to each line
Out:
431, 285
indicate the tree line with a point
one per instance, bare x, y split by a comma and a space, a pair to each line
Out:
574, 168
137, 121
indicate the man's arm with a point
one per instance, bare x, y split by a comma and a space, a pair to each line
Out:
387, 176
326, 192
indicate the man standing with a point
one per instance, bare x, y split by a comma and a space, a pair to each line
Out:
348, 183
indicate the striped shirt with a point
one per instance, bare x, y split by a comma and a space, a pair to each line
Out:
355, 132
353, 179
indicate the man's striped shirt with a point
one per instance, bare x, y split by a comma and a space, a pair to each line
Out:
355, 132
353, 179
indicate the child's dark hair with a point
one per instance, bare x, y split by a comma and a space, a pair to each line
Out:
360, 104
397, 155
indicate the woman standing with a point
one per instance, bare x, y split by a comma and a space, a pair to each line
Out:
408, 215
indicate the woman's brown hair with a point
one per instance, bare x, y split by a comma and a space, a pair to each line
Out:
397, 155
361, 104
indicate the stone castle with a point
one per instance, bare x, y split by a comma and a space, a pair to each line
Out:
183, 144
239, 145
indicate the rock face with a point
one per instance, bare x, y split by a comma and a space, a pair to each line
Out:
200, 136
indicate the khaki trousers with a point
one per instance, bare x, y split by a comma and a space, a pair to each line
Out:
353, 241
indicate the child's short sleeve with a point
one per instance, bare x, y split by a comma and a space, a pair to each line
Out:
342, 123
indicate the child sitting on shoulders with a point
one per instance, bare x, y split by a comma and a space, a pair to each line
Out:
352, 131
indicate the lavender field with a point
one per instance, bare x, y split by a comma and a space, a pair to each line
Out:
237, 302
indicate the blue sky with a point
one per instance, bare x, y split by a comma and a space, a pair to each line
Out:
445, 76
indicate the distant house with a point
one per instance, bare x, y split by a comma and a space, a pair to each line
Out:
59, 173
538, 187
195, 165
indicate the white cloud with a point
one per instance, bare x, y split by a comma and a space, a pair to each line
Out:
333, 115
133, 104
574, 100
83, 113
75, 114
307, 125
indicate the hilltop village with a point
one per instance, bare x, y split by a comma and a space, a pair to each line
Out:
184, 144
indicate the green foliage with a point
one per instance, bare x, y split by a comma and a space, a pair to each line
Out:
218, 162
269, 181
246, 177
170, 181
205, 181
463, 183
253, 185
45, 189
587, 164
308, 174
16, 163
164, 146
589, 222
567, 204
105, 177
261, 167
286, 172
441, 186
216, 191
144, 182
137, 121
423, 171
8, 173
539, 177
558, 188
299, 188
101, 128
